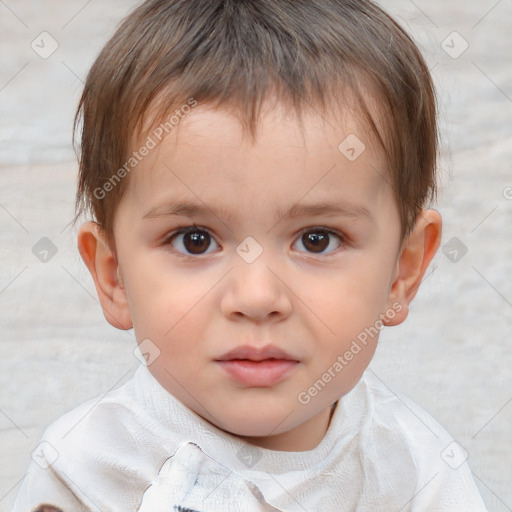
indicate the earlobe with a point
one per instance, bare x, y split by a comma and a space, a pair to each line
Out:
103, 266
417, 252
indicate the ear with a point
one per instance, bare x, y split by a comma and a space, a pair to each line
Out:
416, 254
101, 261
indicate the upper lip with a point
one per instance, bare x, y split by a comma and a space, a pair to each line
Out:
256, 353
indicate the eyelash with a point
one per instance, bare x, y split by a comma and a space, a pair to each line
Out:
194, 228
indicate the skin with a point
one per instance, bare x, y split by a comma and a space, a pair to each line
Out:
310, 302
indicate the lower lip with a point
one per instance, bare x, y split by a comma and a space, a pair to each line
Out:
258, 374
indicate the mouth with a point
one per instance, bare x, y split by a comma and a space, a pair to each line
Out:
257, 367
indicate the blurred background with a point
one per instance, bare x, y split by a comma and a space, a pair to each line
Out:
453, 356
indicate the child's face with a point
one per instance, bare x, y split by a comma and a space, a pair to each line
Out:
198, 297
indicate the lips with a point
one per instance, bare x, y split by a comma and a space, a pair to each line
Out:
256, 354
257, 367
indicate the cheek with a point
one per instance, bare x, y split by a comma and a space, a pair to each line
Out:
347, 309
352, 296
346, 337
160, 298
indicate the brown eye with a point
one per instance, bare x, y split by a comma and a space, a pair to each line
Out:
317, 241
192, 241
196, 243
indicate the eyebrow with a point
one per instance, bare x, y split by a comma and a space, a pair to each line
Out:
327, 209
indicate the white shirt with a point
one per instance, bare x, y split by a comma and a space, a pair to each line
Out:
140, 449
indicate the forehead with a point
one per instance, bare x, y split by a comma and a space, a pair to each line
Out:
209, 158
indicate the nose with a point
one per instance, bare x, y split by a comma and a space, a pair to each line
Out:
256, 291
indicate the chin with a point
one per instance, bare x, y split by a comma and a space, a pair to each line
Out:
255, 424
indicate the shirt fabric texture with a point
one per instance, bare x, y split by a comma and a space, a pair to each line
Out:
139, 449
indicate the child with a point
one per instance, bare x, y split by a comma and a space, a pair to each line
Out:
257, 172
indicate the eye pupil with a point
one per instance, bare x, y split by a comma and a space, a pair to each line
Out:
317, 241
196, 242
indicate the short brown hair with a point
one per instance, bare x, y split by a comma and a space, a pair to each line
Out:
233, 53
